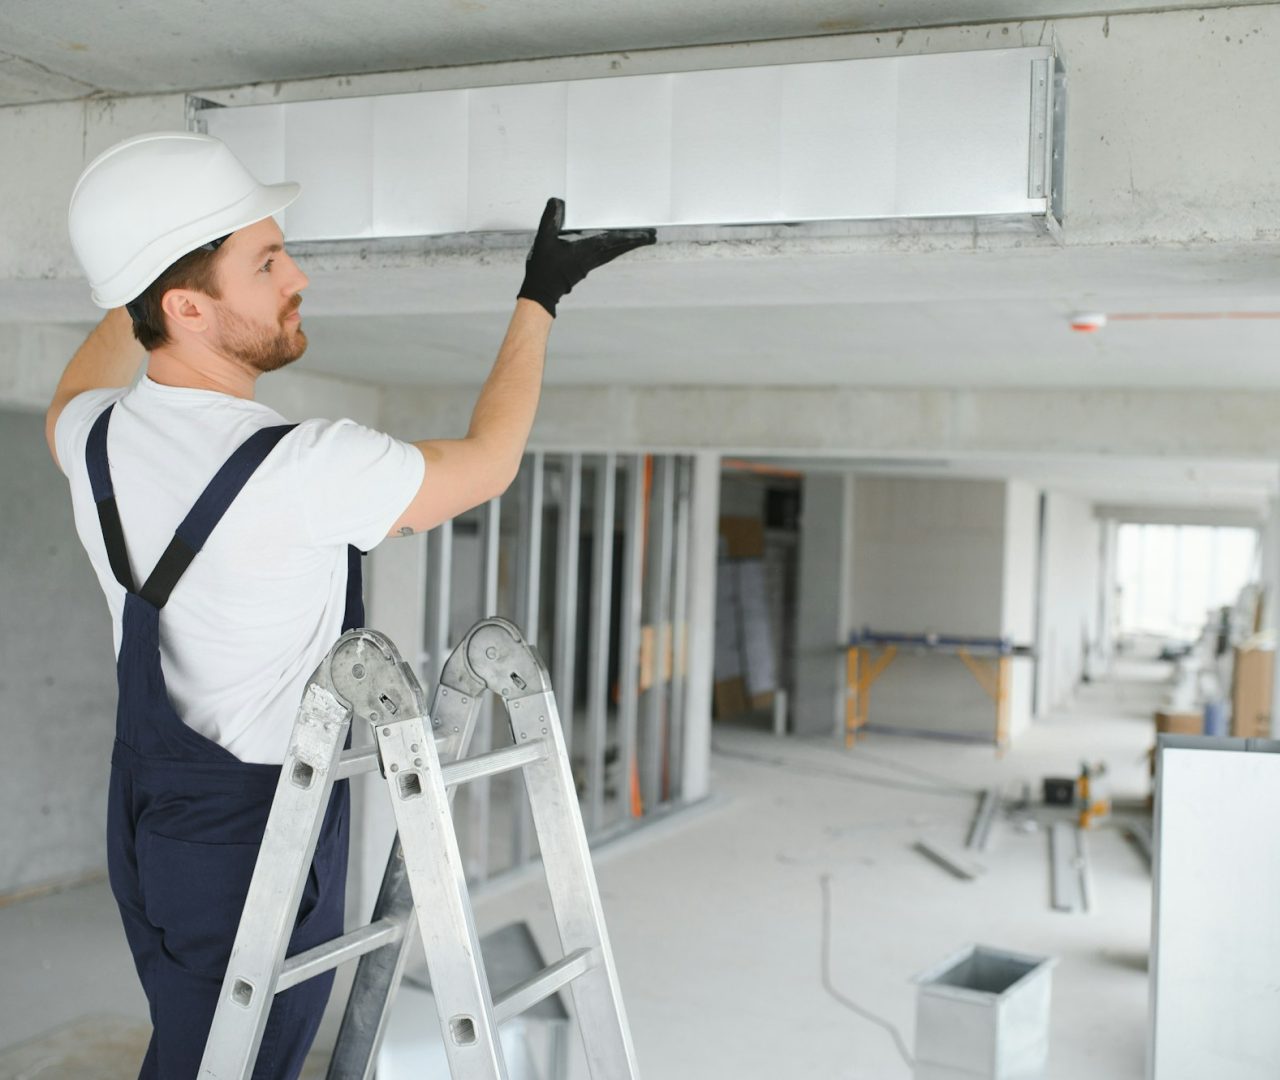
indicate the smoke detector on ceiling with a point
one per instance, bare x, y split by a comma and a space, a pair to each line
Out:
1088, 322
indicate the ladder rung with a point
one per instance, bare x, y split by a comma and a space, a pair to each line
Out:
354, 762
507, 759
537, 987
313, 962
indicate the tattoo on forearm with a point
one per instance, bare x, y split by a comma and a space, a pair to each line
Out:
405, 530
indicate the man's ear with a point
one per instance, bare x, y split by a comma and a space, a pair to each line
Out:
186, 309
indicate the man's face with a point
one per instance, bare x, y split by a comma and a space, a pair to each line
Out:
257, 316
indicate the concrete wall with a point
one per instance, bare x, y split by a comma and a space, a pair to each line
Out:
57, 673
1069, 608
953, 557
929, 556
742, 495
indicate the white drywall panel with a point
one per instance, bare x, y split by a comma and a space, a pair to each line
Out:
1018, 604
1069, 611
1215, 937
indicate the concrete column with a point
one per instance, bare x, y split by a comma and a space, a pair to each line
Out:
1107, 580
824, 603
1068, 611
704, 512
1018, 588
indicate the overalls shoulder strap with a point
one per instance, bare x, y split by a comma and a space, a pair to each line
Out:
191, 534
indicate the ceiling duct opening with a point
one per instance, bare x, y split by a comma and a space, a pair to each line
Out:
970, 135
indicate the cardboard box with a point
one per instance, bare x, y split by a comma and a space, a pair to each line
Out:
744, 537
1179, 723
730, 698
1251, 693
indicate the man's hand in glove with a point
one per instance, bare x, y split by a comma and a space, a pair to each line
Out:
556, 264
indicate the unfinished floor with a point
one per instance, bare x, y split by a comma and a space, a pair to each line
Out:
716, 915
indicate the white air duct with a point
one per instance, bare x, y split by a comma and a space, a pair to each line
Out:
958, 134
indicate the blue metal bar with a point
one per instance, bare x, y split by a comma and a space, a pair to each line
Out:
999, 646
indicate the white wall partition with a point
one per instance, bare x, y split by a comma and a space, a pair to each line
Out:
1215, 936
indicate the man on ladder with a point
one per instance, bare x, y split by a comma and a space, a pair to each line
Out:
254, 528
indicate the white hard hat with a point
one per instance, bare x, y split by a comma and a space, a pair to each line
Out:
147, 201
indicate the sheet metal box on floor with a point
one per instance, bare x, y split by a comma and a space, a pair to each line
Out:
1215, 940
983, 1014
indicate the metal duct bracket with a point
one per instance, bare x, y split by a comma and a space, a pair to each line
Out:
970, 134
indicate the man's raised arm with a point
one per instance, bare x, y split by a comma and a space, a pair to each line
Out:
462, 473
109, 356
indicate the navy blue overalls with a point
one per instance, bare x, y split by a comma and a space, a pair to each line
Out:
186, 817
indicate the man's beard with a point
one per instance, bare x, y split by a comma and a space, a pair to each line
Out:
259, 347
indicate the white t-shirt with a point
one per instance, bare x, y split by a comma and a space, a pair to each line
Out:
262, 603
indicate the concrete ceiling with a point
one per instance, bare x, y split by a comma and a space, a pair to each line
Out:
886, 319
911, 309
55, 51
985, 319
952, 344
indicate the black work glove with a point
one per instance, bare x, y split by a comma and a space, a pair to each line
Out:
555, 265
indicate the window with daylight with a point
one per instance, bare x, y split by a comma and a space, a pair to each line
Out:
1172, 576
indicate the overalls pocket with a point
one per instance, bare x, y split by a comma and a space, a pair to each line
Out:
193, 893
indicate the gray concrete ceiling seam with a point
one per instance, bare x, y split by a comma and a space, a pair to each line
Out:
945, 319
159, 46
1170, 483
845, 345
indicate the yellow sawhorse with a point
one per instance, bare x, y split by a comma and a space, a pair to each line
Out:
862, 669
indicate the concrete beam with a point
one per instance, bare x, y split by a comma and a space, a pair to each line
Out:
1180, 515
841, 421
1169, 138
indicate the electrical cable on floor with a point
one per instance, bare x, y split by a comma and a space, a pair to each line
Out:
898, 1042
815, 769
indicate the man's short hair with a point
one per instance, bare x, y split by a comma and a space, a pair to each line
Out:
195, 270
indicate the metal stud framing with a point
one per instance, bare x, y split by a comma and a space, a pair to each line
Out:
477, 794
629, 659
566, 631
655, 713
440, 581
652, 597
679, 628
529, 606
598, 649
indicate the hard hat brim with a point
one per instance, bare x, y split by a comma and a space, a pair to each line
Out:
136, 276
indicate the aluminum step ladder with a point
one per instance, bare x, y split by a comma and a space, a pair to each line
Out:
421, 756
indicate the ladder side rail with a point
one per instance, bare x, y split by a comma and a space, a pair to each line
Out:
458, 699
275, 890
437, 880
513, 670
575, 895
